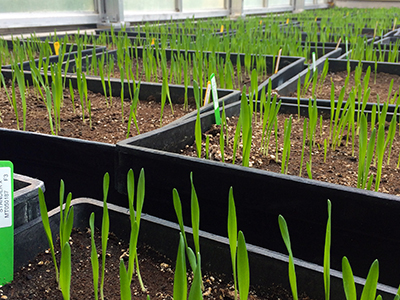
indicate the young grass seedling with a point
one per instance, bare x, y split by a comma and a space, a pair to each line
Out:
369, 290
195, 218
327, 254
365, 153
243, 270
94, 258
47, 229
303, 146
135, 221
232, 235
132, 114
105, 228
292, 273
66, 222
197, 131
65, 271
286, 145
124, 282
180, 279
239, 257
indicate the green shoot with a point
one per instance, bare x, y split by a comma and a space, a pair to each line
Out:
197, 132
369, 290
348, 280
292, 273
245, 112
286, 145
65, 271
298, 97
94, 259
303, 146
180, 279
243, 271
105, 228
178, 211
135, 220
232, 235
196, 288
327, 255
47, 229
124, 282
132, 114
22, 88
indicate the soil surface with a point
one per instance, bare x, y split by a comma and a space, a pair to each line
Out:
380, 86
106, 125
340, 167
37, 280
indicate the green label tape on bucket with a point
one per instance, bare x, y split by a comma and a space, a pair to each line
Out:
6, 222
215, 99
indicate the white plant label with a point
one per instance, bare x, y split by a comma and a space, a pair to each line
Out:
5, 197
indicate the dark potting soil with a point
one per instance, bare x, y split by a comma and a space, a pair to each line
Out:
107, 123
379, 87
37, 279
340, 167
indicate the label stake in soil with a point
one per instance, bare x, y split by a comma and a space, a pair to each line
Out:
215, 99
56, 47
207, 96
6, 222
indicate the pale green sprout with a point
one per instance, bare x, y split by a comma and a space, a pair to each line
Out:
271, 110
197, 284
66, 222
303, 146
245, 112
102, 78
66, 217
105, 229
19, 74
94, 259
195, 218
180, 279
47, 229
232, 235
391, 133
369, 290
298, 97
238, 250
135, 221
292, 273
124, 282
286, 145
253, 93
65, 271
380, 151
327, 255
71, 91
132, 114
366, 151
49, 108
323, 74
243, 270
207, 146
197, 131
